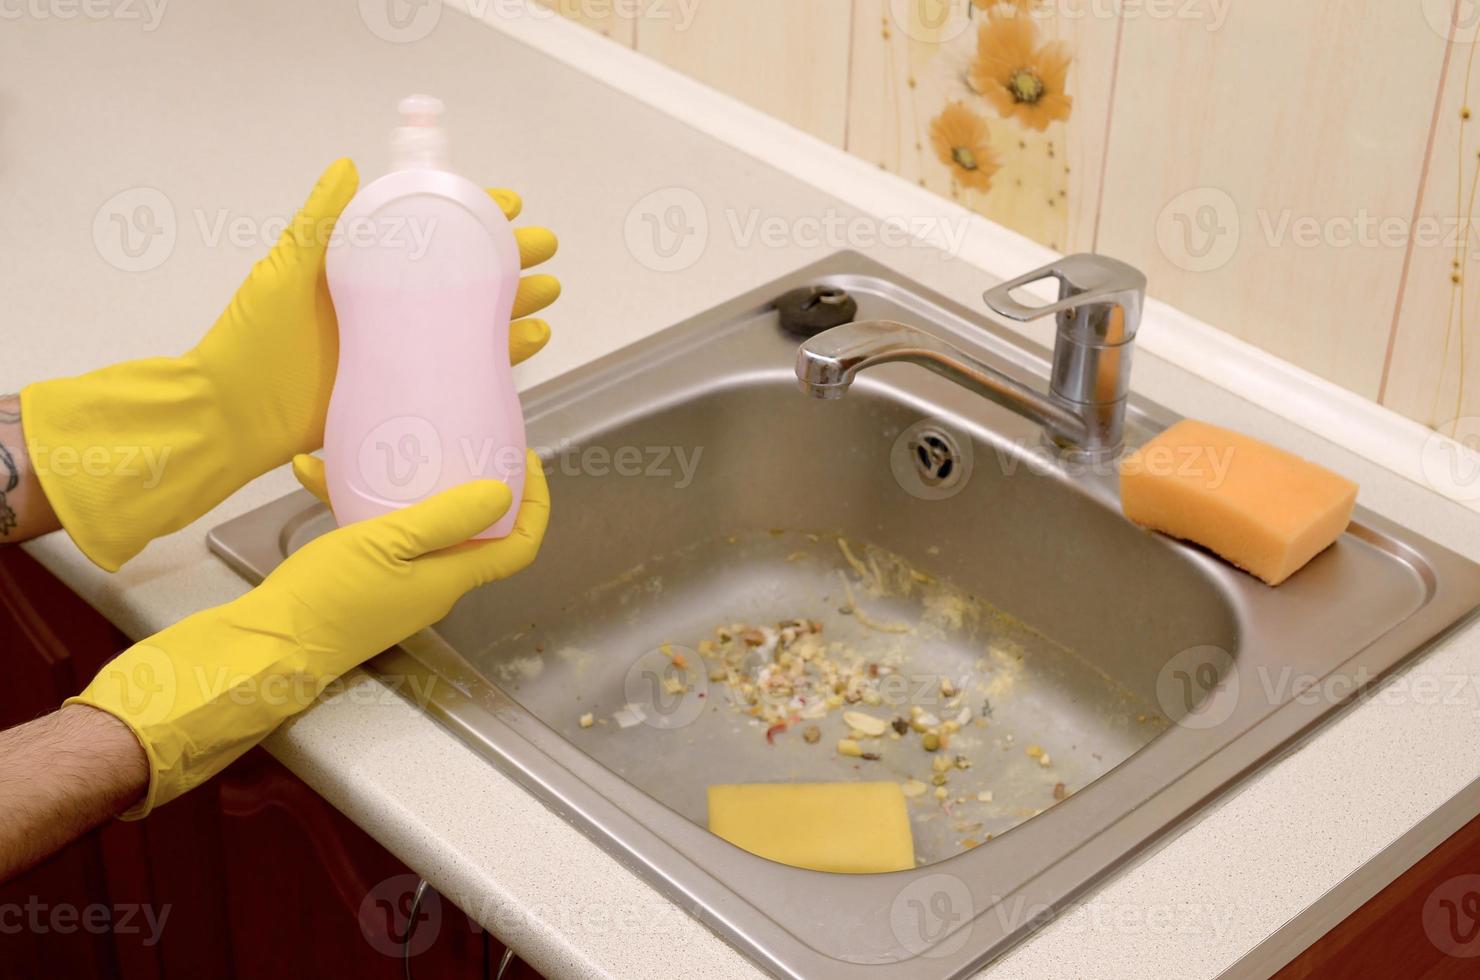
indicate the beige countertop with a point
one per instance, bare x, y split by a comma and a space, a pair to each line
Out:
227, 112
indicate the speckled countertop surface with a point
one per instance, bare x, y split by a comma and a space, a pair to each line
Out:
229, 111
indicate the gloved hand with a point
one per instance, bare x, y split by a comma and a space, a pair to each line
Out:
205, 690
140, 449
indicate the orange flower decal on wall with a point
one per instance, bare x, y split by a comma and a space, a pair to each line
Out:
1021, 79
1026, 6
960, 139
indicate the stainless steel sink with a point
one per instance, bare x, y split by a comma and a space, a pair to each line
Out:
1108, 682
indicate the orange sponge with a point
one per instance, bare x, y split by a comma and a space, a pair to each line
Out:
1263, 509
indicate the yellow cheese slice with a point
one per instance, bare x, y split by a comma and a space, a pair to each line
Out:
1263, 509
855, 828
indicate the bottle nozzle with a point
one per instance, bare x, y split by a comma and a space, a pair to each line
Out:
419, 142
420, 110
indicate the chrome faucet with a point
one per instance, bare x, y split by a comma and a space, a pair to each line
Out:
1098, 311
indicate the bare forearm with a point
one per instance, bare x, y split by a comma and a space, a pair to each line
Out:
24, 510
60, 776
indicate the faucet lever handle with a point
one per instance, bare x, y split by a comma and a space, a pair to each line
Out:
1097, 314
1086, 281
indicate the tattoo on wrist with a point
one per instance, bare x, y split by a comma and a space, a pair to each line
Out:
12, 479
10, 474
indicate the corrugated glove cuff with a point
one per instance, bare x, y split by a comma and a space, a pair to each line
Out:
204, 691
132, 452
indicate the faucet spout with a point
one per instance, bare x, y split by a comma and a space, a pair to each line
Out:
829, 362
1098, 312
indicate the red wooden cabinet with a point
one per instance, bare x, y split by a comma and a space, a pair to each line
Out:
1425, 925
253, 876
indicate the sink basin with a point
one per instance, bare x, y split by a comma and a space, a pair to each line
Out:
1105, 682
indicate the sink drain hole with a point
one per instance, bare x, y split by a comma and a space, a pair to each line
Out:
931, 460
935, 457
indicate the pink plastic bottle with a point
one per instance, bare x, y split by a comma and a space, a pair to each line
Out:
422, 269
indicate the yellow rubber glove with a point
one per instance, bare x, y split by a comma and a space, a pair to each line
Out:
205, 690
140, 449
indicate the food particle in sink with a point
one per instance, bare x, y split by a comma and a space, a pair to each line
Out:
961, 762
1060, 792
941, 794
913, 788
970, 842
1044, 760
630, 715
1033, 751
520, 669
864, 572
941, 764
587, 720
866, 724
930, 742
900, 726
789, 671
985, 796
811, 734
850, 747
851, 608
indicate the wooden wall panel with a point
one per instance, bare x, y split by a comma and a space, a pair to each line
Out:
785, 57
1434, 374
616, 20
1242, 157
1261, 160
1096, 41
912, 58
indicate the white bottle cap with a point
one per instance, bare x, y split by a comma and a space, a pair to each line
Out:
419, 142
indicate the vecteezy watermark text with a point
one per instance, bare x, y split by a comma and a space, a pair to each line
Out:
405, 457
137, 229
1201, 230
42, 918
146, 462
670, 229
148, 13
651, 462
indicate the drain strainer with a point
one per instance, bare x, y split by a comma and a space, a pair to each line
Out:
934, 456
930, 461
